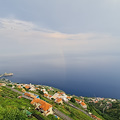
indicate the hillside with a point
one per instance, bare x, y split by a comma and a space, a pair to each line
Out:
76, 108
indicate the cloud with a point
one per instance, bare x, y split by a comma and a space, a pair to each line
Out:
27, 38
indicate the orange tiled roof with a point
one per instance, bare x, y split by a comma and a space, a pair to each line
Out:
77, 100
30, 95
58, 100
43, 105
45, 95
27, 86
27, 94
68, 97
62, 93
33, 96
96, 117
19, 86
82, 103
50, 95
96, 101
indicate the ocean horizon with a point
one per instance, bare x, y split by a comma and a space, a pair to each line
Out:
93, 81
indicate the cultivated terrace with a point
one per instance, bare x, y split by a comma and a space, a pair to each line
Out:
48, 103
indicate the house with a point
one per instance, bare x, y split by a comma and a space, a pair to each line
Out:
27, 87
69, 97
78, 101
44, 107
49, 97
56, 95
65, 99
23, 90
19, 86
32, 89
59, 101
13, 86
46, 95
44, 91
95, 117
19, 97
2, 84
83, 105
27, 94
61, 95
31, 95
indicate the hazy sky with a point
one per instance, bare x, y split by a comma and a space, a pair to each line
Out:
64, 30
62, 27
71, 30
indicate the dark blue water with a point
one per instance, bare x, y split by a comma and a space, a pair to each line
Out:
92, 77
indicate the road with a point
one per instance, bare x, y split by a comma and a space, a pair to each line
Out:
61, 115
24, 96
78, 109
57, 112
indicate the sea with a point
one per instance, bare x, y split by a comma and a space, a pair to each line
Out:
88, 77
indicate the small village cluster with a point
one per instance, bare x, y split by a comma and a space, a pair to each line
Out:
41, 105
97, 99
59, 97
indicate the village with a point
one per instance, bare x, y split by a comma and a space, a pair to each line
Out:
40, 95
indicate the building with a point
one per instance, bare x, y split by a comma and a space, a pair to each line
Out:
83, 105
31, 95
23, 90
69, 97
44, 107
59, 101
78, 101
32, 89
2, 84
48, 96
44, 91
27, 87
19, 86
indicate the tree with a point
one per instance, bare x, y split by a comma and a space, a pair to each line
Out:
41, 92
72, 100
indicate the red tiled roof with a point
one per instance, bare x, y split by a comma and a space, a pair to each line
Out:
45, 95
83, 104
58, 100
77, 100
27, 86
43, 105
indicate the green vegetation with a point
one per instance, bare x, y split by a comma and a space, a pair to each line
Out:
40, 92
72, 112
11, 113
10, 102
12, 108
77, 105
72, 100
109, 114
52, 117
68, 110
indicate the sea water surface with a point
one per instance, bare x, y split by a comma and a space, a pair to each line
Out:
81, 76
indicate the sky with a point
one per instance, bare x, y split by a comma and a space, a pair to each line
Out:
59, 27
69, 35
